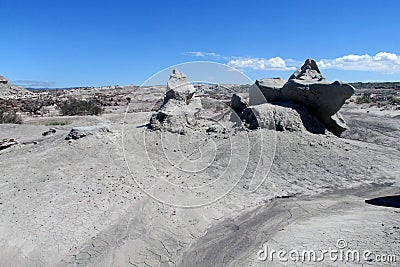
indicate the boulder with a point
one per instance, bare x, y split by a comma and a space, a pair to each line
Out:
281, 118
238, 104
308, 88
336, 124
76, 133
49, 132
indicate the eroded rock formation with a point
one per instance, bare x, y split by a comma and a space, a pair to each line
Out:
309, 89
180, 105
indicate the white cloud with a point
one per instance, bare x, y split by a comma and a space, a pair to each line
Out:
275, 63
203, 54
381, 62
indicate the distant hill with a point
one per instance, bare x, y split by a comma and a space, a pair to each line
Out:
357, 85
376, 85
9, 90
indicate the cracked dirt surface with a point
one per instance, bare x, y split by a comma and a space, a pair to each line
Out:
76, 203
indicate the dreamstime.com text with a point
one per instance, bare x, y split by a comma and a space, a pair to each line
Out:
339, 253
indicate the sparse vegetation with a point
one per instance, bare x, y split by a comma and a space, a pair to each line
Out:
378, 99
57, 123
10, 117
74, 107
365, 98
394, 101
33, 107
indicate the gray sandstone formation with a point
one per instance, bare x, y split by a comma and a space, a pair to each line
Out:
307, 88
180, 106
178, 87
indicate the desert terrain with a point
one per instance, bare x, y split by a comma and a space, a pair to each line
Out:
105, 190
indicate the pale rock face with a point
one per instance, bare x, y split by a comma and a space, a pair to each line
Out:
178, 87
258, 96
180, 106
308, 88
272, 117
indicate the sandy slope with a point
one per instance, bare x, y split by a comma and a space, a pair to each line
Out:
78, 203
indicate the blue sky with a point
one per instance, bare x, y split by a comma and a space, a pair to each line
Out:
91, 43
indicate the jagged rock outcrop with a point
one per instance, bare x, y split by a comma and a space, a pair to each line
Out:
309, 71
238, 104
307, 88
180, 105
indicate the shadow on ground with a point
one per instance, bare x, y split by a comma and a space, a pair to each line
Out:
387, 201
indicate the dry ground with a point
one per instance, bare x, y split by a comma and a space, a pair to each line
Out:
104, 200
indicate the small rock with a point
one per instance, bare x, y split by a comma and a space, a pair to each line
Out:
216, 129
50, 131
79, 132
8, 142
